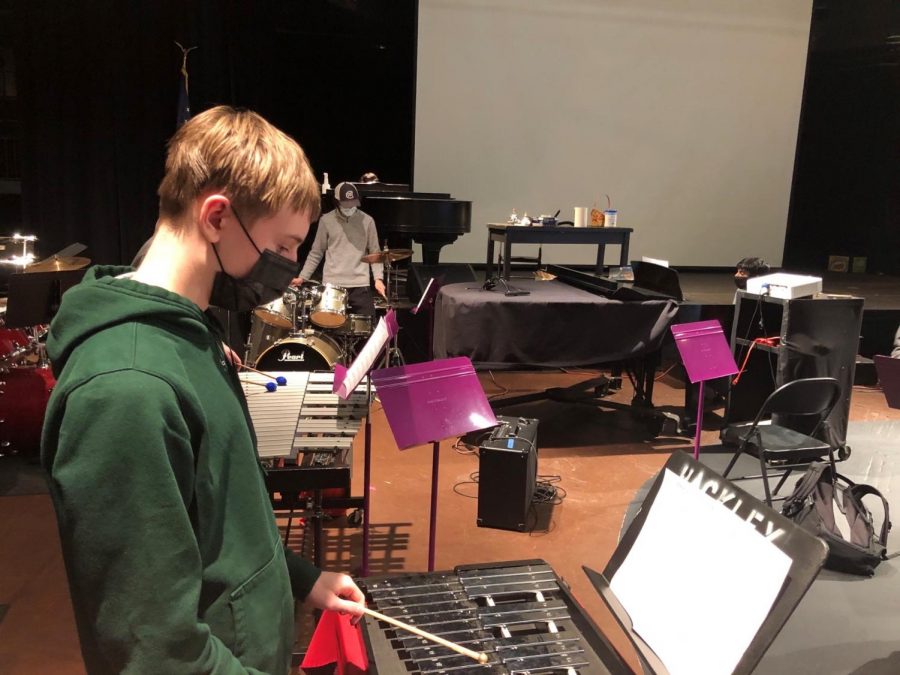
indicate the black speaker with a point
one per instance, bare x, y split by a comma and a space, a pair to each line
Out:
443, 273
507, 475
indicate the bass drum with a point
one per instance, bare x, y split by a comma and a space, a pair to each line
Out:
315, 351
24, 393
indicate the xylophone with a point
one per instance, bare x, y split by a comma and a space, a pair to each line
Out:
520, 614
305, 439
307, 426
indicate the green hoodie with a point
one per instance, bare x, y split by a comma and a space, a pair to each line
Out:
174, 560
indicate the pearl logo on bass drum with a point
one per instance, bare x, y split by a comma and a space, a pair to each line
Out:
286, 356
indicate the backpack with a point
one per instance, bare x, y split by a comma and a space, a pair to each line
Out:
812, 506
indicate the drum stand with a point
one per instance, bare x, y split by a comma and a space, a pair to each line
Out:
393, 356
391, 276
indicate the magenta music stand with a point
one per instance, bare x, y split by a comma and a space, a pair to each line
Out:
427, 402
706, 356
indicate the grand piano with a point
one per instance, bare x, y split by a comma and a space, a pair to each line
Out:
432, 219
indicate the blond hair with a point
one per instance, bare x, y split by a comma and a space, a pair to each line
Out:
259, 168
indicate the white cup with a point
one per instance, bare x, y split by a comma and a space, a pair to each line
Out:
609, 217
581, 216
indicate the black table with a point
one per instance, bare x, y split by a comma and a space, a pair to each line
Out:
556, 325
518, 234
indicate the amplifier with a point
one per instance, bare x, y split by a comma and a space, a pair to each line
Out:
507, 474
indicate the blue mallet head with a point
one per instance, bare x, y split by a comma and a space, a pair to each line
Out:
281, 379
271, 386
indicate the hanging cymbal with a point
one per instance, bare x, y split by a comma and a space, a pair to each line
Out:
57, 264
388, 254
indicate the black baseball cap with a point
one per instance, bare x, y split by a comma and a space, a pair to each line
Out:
346, 194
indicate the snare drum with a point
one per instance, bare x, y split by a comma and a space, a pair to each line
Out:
329, 309
14, 346
357, 325
314, 351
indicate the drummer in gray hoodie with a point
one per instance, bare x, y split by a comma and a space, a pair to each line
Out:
344, 236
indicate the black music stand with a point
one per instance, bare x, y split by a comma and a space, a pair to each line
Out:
34, 297
888, 370
427, 300
805, 552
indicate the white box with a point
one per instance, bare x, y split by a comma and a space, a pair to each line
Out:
785, 286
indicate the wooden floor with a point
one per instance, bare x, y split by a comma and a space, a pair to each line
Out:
602, 458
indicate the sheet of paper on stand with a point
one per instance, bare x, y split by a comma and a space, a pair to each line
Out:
347, 379
430, 401
701, 622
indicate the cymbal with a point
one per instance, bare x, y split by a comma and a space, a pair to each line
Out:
57, 264
388, 254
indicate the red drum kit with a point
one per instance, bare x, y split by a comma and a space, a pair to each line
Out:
25, 376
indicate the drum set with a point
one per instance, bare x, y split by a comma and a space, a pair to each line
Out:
306, 329
25, 376
310, 328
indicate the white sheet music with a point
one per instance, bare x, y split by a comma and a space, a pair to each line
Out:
698, 581
352, 376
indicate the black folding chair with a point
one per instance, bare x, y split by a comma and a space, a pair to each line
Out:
778, 446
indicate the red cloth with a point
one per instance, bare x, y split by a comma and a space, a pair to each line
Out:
336, 648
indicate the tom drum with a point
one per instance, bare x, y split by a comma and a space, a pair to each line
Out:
329, 309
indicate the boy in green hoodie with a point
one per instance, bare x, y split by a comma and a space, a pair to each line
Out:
174, 560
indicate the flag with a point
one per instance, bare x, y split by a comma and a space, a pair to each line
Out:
336, 648
184, 100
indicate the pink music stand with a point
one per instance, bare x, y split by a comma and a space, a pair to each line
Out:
427, 402
706, 356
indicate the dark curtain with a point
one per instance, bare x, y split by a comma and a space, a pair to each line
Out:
95, 118
99, 95
845, 199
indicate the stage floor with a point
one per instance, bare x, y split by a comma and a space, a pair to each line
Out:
602, 459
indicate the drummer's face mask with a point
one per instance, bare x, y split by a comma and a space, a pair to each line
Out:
267, 279
347, 211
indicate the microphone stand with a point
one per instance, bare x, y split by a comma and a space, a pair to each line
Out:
511, 291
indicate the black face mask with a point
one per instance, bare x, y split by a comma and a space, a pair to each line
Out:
267, 280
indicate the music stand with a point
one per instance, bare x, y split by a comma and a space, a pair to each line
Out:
706, 356
888, 370
427, 402
34, 297
427, 300
743, 513
345, 382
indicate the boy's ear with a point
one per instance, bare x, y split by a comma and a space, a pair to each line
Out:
211, 215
